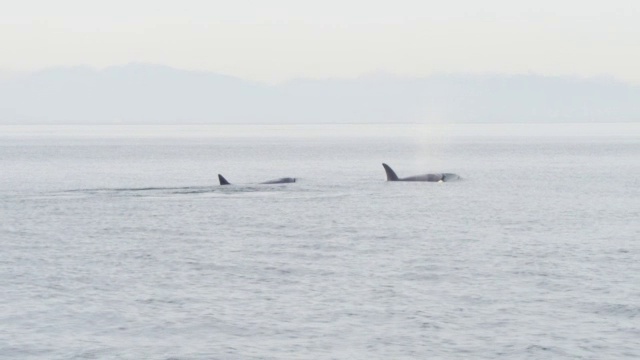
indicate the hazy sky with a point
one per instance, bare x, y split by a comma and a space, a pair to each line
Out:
277, 40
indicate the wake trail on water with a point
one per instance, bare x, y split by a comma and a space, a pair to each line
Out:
181, 190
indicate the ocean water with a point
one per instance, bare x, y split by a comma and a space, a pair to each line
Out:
117, 243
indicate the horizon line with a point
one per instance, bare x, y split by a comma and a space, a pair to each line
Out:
5, 72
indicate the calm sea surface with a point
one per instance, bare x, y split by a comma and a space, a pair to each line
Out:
116, 242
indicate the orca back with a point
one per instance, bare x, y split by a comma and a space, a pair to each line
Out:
280, 181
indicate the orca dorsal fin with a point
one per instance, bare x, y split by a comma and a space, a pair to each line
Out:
223, 181
391, 176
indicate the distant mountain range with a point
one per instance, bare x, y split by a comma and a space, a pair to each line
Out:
147, 94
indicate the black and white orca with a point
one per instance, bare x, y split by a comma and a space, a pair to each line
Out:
391, 176
284, 180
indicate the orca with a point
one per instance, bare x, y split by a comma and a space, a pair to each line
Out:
284, 180
391, 176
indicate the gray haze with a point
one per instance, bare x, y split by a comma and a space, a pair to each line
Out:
280, 40
142, 93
